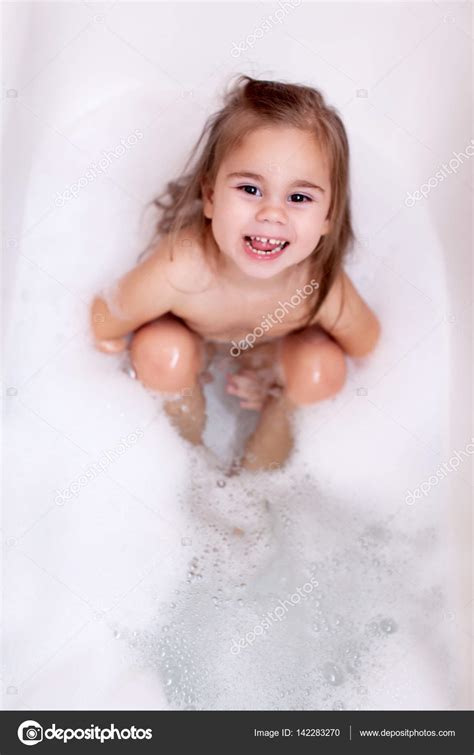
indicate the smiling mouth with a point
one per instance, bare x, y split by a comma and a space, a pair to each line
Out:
265, 246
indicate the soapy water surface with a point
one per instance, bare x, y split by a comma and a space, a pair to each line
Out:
288, 601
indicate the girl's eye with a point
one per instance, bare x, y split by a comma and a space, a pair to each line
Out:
254, 191
249, 189
300, 198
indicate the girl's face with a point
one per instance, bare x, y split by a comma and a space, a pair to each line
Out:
270, 200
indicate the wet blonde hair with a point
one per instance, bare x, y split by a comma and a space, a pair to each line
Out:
249, 104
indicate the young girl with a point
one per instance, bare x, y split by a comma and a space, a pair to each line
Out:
261, 218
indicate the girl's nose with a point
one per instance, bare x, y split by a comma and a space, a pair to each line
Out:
274, 213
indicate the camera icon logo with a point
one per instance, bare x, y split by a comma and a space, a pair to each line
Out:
30, 732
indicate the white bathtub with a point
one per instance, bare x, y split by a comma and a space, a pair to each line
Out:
114, 595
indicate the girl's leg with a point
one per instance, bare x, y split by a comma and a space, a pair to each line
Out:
270, 445
310, 367
168, 358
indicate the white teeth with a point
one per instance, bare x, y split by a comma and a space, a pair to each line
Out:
259, 251
265, 240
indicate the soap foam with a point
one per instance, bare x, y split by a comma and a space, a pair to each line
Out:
302, 601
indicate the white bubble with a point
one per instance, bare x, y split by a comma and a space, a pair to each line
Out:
388, 626
333, 674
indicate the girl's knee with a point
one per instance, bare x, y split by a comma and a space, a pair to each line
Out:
166, 355
312, 369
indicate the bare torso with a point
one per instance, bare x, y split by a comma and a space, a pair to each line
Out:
219, 310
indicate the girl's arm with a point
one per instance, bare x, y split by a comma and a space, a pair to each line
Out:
142, 295
348, 319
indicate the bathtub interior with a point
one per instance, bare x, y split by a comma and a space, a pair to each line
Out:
154, 582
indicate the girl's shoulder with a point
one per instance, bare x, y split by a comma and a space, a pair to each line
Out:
189, 269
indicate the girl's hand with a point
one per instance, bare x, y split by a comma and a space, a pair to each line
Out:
112, 345
253, 386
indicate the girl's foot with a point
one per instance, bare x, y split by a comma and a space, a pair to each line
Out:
252, 386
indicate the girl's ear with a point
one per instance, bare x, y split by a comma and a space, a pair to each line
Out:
207, 199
